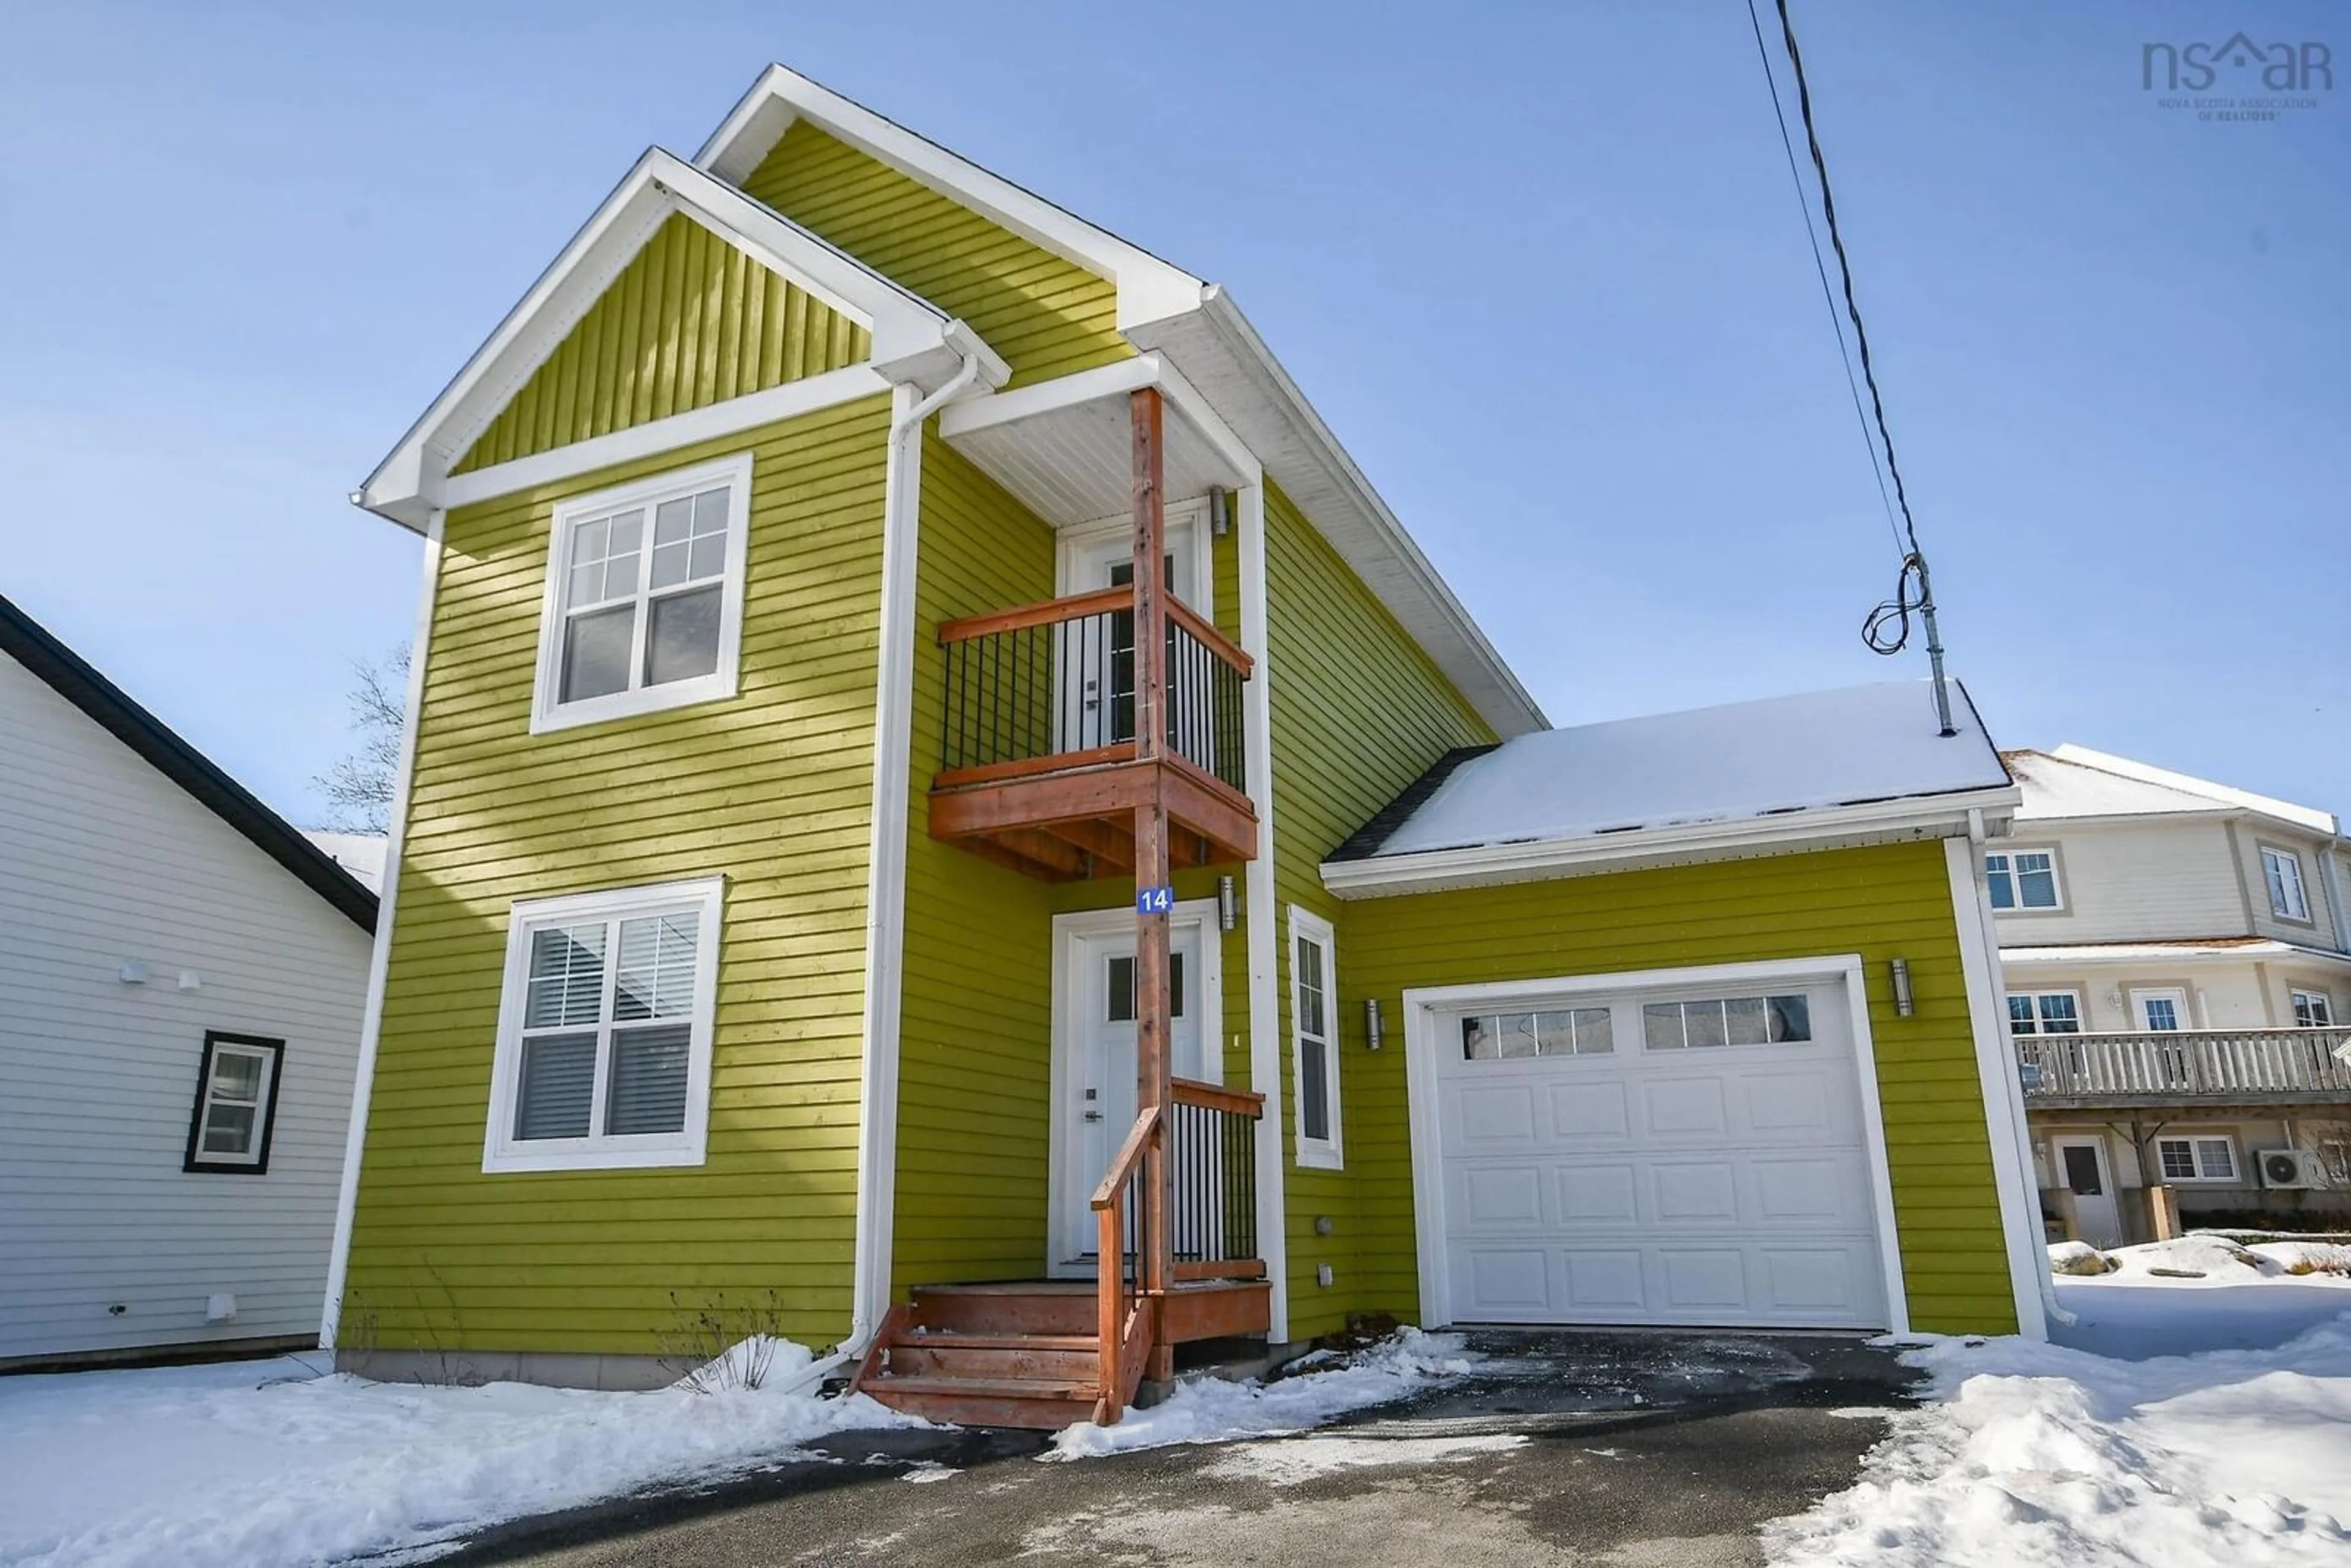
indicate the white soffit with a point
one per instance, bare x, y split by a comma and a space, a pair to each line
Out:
914, 340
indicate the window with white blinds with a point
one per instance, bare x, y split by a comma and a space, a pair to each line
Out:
604, 1054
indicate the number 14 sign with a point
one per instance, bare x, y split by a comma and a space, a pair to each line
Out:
1153, 900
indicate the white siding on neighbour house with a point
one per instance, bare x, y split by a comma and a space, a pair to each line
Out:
2132, 882
104, 859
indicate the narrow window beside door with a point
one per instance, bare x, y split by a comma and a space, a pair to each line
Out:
604, 1051
236, 1104
1313, 970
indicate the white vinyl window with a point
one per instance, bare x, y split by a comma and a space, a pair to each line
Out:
2312, 1009
604, 1051
2197, 1159
1314, 1038
2043, 1012
644, 597
2023, 879
2282, 870
236, 1104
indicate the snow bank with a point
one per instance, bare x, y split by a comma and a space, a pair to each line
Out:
1212, 1410
250, 1465
2039, 1455
2198, 1293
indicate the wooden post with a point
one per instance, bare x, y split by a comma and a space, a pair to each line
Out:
1153, 1060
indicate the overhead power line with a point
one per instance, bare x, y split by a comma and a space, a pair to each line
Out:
1887, 630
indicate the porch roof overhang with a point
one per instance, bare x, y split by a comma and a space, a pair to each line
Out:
915, 341
1065, 447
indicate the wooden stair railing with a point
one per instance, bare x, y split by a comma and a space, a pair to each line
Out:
1128, 1279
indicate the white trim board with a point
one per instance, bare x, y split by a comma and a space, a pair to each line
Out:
914, 340
1258, 885
2002, 1086
1422, 1004
380, 960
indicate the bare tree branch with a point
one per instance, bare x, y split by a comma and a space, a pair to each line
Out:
359, 787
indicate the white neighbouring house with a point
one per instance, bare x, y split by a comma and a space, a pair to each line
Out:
2177, 960
182, 976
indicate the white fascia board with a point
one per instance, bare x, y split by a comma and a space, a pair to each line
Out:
2163, 953
1446, 630
1148, 287
1431, 871
914, 340
974, 415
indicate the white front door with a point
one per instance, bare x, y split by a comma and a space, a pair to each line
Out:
1094, 1067
2082, 1168
1098, 663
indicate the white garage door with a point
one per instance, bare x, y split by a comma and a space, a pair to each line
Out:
1680, 1156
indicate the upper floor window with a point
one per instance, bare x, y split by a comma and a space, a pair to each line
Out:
644, 597
2312, 1009
603, 1049
236, 1104
2023, 879
2043, 1012
2282, 869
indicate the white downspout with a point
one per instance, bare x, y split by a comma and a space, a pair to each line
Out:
886, 903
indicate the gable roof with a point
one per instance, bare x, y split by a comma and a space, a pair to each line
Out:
1850, 765
2074, 781
1202, 331
914, 340
73, 678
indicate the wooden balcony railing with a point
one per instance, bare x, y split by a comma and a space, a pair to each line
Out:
1178, 1205
1039, 765
2291, 1066
1052, 686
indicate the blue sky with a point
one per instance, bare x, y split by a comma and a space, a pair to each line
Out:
1540, 267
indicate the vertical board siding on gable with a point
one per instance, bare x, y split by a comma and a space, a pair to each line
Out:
771, 788
1359, 712
1881, 903
976, 1032
103, 859
1045, 316
688, 322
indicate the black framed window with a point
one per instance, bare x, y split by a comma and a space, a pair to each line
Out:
236, 1103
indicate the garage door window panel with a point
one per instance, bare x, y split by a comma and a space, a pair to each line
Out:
1517, 1036
1707, 1022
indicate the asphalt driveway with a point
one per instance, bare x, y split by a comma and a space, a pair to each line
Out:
1583, 1449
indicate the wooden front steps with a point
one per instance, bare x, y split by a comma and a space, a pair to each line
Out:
1024, 1352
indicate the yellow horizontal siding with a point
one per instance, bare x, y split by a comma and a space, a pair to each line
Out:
772, 790
1877, 902
690, 321
1359, 712
1046, 316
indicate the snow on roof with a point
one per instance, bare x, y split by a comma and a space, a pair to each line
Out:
2240, 947
1781, 755
2199, 789
362, 854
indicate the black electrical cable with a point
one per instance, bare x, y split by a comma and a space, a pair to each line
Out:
1821, 271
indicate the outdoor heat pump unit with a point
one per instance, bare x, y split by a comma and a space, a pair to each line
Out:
2289, 1169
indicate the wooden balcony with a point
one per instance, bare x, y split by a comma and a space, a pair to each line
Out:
2185, 1066
1040, 767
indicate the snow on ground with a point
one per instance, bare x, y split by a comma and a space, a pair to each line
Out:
2212, 1295
1287, 1461
254, 1464
2236, 1453
1213, 1410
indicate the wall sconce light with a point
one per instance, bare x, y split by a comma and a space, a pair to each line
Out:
1229, 909
1903, 1002
1372, 1020
1220, 511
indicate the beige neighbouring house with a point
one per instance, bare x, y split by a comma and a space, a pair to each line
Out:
2178, 959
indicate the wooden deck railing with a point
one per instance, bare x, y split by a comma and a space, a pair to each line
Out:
1051, 686
2162, 1066
1177, 1204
